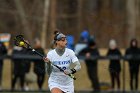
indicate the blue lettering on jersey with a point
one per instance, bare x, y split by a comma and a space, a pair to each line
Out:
61, 62
64, 68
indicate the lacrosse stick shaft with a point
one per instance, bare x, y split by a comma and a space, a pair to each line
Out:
38, 53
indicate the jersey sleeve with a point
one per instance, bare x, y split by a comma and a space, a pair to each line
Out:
73, 56
49, 55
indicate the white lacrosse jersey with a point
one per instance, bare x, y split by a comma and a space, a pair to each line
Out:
58, 78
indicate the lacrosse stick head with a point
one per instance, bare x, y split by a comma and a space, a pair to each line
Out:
21, 42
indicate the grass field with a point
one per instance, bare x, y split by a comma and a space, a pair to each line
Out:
82, 82
75, 92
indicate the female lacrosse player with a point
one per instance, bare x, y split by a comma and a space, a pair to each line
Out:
61, 56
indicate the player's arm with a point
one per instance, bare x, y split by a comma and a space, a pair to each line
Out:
76, 63
48, 67
48, 64
76, 68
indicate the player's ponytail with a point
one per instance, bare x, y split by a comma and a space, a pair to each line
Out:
56, 33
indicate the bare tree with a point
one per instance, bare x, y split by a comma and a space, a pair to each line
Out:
45, 21
26, 29
131, 18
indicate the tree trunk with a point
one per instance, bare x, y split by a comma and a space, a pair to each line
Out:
26, 30
131, 19
53, 19
44, 25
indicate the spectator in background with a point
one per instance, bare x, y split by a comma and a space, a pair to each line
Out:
114, 66
3, 51
39, 65
70, 42
91, 52
19, 67
132, 52
84, 36
28, 66
82, 43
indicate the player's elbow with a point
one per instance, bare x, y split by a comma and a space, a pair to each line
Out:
78, 67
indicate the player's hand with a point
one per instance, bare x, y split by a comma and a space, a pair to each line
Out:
46, 60
68, 71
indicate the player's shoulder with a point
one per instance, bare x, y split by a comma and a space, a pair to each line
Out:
50, 51
69, 50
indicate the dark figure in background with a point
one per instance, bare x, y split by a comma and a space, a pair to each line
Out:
133, 51
39, 65
19, 67
3, 51
28, 66
91, 64
114, 66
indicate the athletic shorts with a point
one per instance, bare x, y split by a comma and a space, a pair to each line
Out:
66, 89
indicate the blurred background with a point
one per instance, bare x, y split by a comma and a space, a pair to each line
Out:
101, 20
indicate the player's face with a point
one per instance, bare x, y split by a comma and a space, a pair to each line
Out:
62, 42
